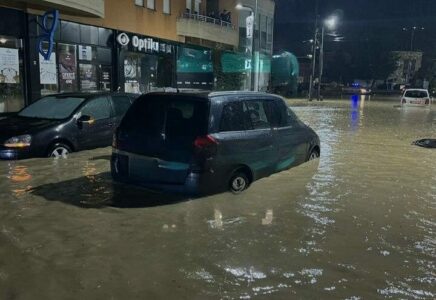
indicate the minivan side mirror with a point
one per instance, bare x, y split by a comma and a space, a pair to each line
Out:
85, 119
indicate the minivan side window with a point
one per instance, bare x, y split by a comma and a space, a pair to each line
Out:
256, 114
121, 104
97, 108
275, 114
232, 117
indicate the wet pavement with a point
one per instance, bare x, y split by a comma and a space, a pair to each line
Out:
359, 223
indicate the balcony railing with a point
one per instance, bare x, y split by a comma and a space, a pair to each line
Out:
206, 19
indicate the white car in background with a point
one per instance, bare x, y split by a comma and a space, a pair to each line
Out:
416, 97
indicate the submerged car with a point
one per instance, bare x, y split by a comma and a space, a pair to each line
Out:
208, 142
416, 97
56, 125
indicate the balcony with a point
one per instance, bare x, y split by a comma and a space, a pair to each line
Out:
206, 28
86, 8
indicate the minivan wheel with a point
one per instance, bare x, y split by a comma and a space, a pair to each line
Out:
59, 150
239, 183
313, 155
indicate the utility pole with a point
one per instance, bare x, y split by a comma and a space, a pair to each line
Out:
314, 45
321, 62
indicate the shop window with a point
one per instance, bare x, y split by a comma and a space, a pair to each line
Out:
88, 34
139, 2
105, 37
104, 56
151, 4
48, 74
11, 75
88, 77
167, 7
67, 62
140, 72
70, 32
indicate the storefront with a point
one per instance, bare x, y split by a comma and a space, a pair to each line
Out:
88, 58
12, 60
81, 61
144, 63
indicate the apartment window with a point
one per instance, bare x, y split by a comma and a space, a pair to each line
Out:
139, 2
151, 4
167, 6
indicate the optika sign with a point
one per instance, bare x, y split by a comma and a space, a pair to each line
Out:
143, 44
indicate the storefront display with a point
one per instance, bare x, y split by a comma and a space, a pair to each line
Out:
194, 68
9, 66
67, 68
88, 77
11, 74
145, 63
47, 70
105, 78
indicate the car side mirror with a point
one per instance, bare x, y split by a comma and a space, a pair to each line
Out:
85, 119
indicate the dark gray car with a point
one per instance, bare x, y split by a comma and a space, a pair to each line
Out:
209, 142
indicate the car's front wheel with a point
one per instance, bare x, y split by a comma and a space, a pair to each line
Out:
59, 150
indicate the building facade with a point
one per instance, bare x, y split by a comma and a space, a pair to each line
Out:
127, 45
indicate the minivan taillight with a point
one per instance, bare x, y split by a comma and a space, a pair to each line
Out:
205, 142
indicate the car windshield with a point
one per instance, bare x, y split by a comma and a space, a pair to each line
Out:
416, 94
52, 107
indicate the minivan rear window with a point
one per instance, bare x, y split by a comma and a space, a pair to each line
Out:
172, 116
416, 94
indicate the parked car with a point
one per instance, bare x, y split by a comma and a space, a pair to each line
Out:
416, 97
208, 142
56, 125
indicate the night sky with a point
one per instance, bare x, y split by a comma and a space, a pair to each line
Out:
368, 28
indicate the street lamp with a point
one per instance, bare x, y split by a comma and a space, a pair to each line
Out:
331, 23
412, 34
253, 11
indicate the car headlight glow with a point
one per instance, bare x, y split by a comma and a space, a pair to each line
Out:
21, 141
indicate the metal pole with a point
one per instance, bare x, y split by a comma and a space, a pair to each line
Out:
312, 75
253, 58
321, 63
412, 36
315, 42
256, 11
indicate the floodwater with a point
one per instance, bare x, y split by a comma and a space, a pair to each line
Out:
359, 223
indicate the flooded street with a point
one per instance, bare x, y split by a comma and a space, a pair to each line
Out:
359, 223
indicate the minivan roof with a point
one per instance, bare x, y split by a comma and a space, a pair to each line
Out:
202, 95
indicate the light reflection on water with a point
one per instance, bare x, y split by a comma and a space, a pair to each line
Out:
357, 224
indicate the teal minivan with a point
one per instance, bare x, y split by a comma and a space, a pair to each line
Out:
201, 143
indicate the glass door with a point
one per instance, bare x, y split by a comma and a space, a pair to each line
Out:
11, 74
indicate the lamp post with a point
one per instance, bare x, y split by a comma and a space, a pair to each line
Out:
330, 23
253, 11
412, 30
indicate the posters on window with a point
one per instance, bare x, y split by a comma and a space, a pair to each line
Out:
88, 77
85, 53
9, 66
105, 79
47, 70
67, 68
